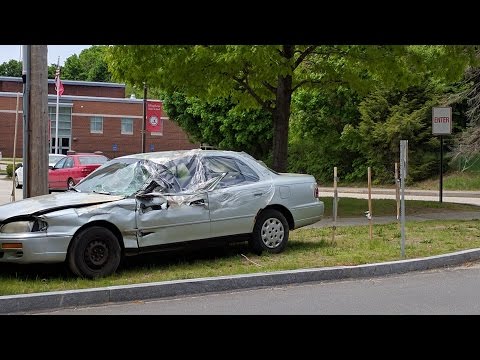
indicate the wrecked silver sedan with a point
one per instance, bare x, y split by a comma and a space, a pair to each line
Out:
152, 201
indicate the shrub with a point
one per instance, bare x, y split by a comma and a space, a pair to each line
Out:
10, 170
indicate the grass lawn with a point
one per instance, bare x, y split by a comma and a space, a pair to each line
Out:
469, 181
307, 248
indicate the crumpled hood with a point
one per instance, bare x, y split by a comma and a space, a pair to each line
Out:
51, 202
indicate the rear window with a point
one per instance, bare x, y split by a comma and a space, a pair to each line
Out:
92, 160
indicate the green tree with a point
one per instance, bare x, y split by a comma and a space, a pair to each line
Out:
388, 116
267, 76
89, 65
11, 68
318, 119
467, 143
52, 68
218, 123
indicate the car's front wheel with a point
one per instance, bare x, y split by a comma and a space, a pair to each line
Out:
94, 252
270, 232
70, 183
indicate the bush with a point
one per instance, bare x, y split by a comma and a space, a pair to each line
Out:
10, 170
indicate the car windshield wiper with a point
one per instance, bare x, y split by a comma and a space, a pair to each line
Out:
101, 192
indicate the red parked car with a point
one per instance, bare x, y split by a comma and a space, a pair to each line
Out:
70, 170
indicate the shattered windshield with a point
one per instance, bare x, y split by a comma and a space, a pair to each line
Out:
167, 173
128, 176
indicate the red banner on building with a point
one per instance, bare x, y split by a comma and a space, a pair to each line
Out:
154, 117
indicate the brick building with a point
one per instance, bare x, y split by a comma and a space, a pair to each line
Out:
92, 116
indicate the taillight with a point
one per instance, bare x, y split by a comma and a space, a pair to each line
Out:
316, 191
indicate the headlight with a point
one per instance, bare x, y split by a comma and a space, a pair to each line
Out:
23, 226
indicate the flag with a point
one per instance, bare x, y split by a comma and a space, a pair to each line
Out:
58, 82
154, 117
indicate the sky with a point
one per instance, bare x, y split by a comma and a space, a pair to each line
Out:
9, 52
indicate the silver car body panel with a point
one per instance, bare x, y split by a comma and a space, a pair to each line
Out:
158, 199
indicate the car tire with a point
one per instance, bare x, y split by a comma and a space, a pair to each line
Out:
17, 185
270, 232
94, 252
70, 183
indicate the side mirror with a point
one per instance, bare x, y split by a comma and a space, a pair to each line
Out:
50, 167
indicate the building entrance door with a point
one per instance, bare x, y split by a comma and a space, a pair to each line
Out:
63, 145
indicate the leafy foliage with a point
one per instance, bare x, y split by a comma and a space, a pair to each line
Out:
11, 68
317, 123
89, 65
9, 170
218, 123
266, 77
467, 143
388, 116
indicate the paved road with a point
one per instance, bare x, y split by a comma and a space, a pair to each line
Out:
445, 291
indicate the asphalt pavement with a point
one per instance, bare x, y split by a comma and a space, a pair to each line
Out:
73, 298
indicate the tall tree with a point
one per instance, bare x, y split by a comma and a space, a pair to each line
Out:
318, 119
267, 76
11, 68
467, 147
219, 124
387, 116
89, 65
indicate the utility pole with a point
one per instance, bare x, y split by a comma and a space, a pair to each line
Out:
36, 121
26, 49
144, 121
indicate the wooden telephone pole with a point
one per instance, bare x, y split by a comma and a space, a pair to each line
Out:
36, 121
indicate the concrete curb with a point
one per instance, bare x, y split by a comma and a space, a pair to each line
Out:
71, 298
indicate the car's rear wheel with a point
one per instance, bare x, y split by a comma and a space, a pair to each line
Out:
17, 185
270, 232
70, 183
94, 252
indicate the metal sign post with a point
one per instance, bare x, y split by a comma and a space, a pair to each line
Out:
403, 175
441, 125
335, 202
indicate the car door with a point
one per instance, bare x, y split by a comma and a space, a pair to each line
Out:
237, 198
58, 176
170, 219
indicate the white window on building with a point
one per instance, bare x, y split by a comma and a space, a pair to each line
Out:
127, 126
96, 125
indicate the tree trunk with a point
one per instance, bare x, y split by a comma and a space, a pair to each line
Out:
281, 117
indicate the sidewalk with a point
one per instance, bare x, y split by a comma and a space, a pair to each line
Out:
415, 192
459, 197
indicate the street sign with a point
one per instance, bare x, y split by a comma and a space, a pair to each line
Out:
114, 147
441, 120
152, 147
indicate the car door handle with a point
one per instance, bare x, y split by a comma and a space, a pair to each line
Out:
199, 202
257, 194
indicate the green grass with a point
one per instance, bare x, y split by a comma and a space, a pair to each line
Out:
308, 248
468, 181
349, 207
